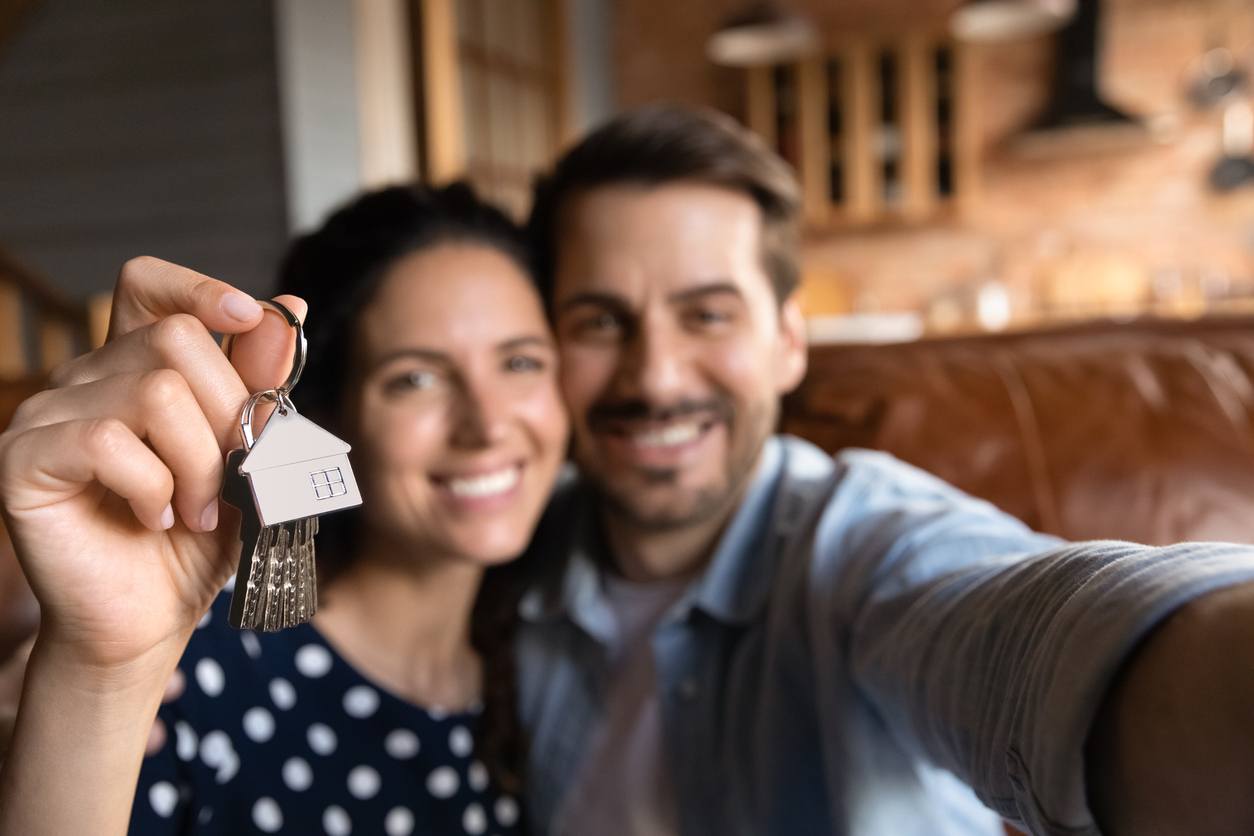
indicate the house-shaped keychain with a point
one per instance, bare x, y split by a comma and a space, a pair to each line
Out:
296, 469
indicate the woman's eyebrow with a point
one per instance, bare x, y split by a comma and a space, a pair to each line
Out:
413, 353
522, 342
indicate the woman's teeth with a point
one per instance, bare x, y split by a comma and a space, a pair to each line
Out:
671, 436
488, 484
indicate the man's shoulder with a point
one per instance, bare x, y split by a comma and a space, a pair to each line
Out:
861, 470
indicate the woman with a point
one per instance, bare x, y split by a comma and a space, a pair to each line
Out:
392, 712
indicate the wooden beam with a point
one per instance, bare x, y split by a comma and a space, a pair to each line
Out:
385, 95
442, 94
860, 110
56, 342
12, 343
11, 14
760, 105
917, 95
557, 13
966, 127
99, 309
816, 141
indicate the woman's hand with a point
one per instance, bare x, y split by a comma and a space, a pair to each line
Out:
109, 480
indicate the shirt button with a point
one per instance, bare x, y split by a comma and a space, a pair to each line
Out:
688, 689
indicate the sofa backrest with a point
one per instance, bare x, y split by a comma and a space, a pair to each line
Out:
1141, 431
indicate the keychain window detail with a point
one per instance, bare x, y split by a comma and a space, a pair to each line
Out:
328, 483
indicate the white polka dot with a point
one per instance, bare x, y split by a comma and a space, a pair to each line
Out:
229, 768
506, 810
185, 742
251, 646
321, 739
283, 694
442, 782
437, 712
399, 822
258, 724
460, 741
474, 820
335, 821
297, 774
478, 775
205, 814
209, 677
401, 744
204, 620
313, 660
163, 797
361, 701
363, 782
267, 815
214, 748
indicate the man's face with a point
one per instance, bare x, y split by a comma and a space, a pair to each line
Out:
674, 349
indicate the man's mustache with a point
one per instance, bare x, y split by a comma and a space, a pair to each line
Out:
605, 414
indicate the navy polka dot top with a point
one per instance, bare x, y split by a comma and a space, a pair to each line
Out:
277, 733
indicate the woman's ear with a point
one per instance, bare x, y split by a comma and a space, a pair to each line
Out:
791, 347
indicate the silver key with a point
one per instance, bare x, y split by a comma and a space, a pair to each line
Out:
281, 482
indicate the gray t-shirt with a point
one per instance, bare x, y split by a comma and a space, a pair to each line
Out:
625, 785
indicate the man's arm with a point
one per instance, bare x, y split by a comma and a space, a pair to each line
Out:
1172, 749
990, 650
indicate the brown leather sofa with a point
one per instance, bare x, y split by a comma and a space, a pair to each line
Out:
1141, 431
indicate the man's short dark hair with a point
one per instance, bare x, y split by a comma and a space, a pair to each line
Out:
661, 144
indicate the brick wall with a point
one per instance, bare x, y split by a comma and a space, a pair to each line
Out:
1113, 218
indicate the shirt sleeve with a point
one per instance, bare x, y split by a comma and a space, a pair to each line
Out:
988, 648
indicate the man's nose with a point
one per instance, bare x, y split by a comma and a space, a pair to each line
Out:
655, 366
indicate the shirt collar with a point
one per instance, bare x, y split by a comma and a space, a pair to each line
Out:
732, 588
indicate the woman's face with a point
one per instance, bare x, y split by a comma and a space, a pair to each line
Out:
459, 430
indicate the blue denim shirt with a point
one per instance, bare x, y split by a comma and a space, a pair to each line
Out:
870, 652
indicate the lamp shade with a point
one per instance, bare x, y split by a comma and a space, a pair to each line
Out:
763, 34
1004, 20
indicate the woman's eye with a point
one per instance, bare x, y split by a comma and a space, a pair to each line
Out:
416, 379
522, 363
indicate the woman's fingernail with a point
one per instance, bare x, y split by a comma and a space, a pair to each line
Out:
241, 307
167, 517
209, 517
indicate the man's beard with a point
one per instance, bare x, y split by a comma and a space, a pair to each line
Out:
709, 502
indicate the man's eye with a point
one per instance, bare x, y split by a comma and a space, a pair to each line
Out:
603, 322
522, 363
709, 316
599, 325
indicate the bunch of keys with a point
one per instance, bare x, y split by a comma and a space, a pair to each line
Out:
281, 481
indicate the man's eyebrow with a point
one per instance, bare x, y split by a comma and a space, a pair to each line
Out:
600, 299
715, 288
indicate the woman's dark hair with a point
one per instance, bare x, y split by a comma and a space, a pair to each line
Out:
337, 269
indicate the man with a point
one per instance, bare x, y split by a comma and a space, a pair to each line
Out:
745, 636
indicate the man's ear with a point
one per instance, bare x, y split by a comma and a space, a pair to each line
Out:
791, 348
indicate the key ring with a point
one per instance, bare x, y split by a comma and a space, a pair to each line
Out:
281, 395
302, 344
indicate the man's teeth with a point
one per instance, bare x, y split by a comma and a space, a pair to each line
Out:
489, 484
670, 436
